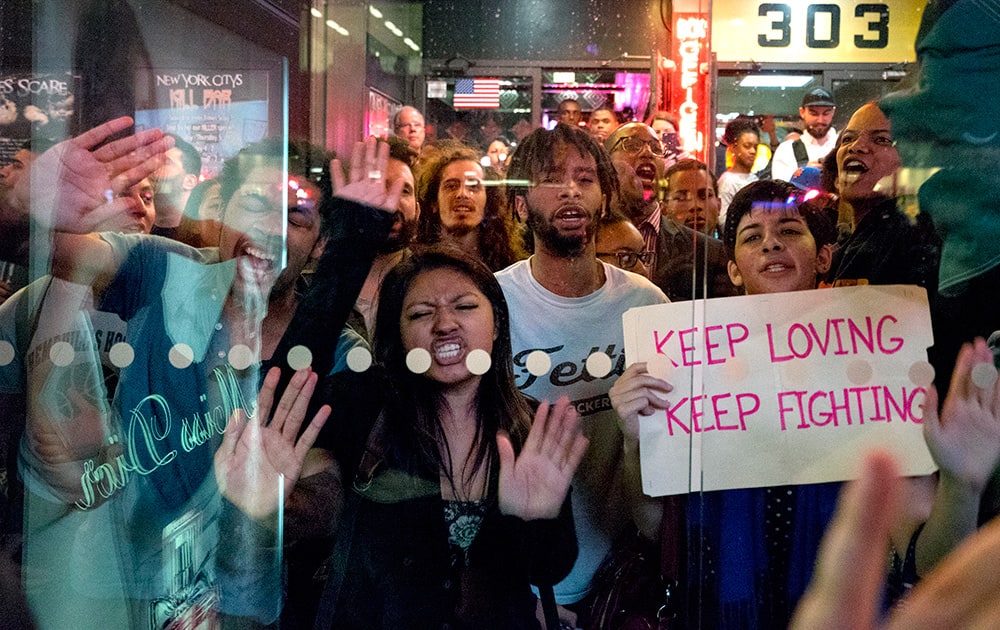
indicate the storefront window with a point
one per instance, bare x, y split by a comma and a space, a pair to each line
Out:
198, 217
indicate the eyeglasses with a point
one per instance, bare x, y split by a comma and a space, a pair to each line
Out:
627, 260
633, 146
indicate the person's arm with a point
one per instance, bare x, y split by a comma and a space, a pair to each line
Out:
846, 588
638, 393
965, 444
364, 210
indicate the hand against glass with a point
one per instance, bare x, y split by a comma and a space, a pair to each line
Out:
74, 185
965, 440
534, 484
637, 393
368, 184
258, 460
846, 589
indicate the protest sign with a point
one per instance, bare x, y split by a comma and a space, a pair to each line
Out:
785, 388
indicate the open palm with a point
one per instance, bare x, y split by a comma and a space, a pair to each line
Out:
258, 464
534, 484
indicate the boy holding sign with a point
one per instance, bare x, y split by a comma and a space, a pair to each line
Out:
758, 545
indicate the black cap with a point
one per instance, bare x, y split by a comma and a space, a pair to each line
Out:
818, 96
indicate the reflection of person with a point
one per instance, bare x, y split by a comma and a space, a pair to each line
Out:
458, 209
774, 246
229, 317
885, 246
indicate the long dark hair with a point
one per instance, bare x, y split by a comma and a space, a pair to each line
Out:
497, 245
413, 400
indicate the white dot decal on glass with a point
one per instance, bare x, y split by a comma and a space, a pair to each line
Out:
922, 374
299, 358
240, 356
121, 355
538, 363
599, 365
418, 360
181, 356
859, 372
659, 366
984, 375
359, 359
6, 352
478, 361
62, 353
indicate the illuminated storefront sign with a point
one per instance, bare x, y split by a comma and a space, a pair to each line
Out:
689, 90
828, 32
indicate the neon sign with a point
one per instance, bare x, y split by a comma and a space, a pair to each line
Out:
689, 86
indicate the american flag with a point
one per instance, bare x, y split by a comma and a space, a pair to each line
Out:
477, 94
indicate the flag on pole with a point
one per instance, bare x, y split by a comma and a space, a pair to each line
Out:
477, 94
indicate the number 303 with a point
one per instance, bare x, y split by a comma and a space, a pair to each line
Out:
780, 34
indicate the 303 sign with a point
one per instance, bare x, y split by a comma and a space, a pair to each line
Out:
830, 31
875, 17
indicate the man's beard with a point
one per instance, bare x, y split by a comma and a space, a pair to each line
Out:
407, 232
813, 130
563, 246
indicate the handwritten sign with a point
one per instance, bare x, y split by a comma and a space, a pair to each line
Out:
783, 388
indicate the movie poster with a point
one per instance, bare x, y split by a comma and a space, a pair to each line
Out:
39, 103
219, 112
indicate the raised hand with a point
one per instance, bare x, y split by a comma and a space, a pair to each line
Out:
257, 460
534, 484
637, 393
847, 587
74, 186
965, 440
369, 165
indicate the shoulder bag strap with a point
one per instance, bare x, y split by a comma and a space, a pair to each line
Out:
801, 155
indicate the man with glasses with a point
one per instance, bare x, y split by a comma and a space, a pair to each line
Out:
638, 156
408, 124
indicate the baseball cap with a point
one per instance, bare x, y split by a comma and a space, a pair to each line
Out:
818, 96
806, 177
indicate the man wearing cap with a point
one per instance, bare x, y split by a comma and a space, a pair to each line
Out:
819, 138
